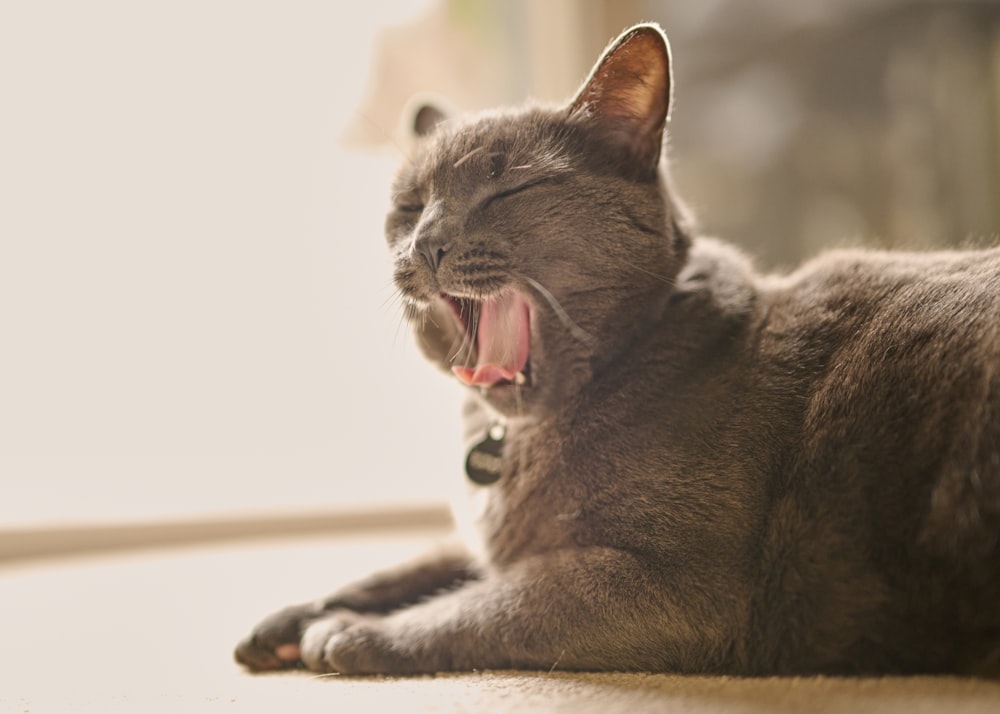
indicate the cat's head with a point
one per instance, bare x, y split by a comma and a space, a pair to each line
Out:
532, 246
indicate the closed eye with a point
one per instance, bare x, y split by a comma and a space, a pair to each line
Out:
500, 195
408, 201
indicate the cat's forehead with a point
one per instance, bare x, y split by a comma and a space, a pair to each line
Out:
494, 146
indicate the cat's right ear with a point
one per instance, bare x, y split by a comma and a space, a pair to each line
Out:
421, 115
627, 96
426, 117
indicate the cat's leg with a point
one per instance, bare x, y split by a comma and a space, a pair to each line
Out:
274, 643
578, 609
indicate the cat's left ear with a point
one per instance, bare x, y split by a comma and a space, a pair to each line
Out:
628, 95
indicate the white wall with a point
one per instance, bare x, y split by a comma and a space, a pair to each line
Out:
195, 304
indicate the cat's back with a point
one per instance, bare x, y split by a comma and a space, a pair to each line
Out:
928, 318
896, 469
902, 355
886, 278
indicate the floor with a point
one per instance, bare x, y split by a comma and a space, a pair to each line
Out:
152, 631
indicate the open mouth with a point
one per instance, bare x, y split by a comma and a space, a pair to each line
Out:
499, 328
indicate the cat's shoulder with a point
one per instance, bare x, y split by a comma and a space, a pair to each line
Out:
719, 271
723, 275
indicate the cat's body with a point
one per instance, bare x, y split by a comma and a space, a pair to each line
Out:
704, 470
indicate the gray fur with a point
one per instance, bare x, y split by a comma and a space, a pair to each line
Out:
709, 470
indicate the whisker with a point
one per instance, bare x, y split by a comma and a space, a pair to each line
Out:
462, 346
556, 663
456, 348
574, 329
394, 299
396, 296
467, 156
473, 332
403, 315
665, 281
404, 154
325, 675
460, 343
428, 316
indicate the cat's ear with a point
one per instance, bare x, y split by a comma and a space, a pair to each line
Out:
627, 96
423, 112
426, 117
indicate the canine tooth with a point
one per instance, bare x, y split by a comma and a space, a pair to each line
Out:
519, 378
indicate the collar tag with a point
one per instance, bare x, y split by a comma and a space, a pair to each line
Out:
485, 459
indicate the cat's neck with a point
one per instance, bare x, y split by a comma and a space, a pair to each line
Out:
713, 300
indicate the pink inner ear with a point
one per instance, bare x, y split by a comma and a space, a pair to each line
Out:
629, 89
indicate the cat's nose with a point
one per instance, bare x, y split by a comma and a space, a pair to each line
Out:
433, 250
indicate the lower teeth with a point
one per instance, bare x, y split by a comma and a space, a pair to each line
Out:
519, 378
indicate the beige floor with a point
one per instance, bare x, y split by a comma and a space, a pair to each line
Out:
152, 632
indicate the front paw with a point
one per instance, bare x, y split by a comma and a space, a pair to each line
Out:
348, 644
274, 643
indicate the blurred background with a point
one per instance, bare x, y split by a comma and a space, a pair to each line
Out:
196, 312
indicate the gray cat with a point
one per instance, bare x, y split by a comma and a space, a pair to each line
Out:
689, 467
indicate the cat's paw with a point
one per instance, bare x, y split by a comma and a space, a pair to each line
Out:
274, 643
348, 644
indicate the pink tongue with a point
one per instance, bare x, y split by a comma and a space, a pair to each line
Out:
502, 342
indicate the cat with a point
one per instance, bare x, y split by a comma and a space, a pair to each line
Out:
688, 467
